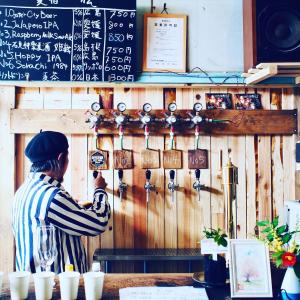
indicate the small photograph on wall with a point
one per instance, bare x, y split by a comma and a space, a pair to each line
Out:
247, 101
218, 101
249, 266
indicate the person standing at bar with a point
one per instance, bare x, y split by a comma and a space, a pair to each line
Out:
42, 200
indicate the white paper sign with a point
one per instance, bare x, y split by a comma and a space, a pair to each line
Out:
165, 44
163, 293
209, 246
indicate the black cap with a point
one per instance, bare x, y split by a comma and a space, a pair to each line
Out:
46, 145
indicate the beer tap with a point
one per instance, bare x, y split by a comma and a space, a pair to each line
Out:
172, 186
197, 185
121, 119
122, 185
196, 119
171, 119
148, 186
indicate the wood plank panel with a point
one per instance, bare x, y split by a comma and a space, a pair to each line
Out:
155, 210
277, 166
186, 200
250, 181
171, 219
203, 209
218, 143
238, 122
106, 143
7, 180
264, 182
123, 210
289, 158
237, 148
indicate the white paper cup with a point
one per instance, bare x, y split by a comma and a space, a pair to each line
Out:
19, 284
93, 285
1, 279
43, 285
69, 285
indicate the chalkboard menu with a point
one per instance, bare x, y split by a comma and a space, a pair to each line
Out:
68, 40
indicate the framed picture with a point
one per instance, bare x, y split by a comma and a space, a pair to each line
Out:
164, 48
249, 266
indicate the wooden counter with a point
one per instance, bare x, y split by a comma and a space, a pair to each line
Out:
114, 282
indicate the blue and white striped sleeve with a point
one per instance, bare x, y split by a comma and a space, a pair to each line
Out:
74, 219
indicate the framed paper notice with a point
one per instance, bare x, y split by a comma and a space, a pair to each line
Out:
164, 43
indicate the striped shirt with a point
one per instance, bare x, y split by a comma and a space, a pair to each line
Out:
42, 200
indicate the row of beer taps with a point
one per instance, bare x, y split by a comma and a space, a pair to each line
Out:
145, 119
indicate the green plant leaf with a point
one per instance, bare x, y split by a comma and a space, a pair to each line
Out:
286, 238
267, 230
278, 262
275, 222
280, 230
278, 254
270, 237
262, 223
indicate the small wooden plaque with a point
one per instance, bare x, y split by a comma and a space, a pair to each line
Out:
198, 159
123, 159
150, 159
172, 159
98, 160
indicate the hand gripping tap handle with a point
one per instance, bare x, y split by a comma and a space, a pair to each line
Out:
120, 174
148, 175
172, 174
197, 174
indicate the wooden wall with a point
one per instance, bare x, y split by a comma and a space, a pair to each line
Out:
266, 171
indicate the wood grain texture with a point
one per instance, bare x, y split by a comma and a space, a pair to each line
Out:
237, 148
219, 144
7, 180
264, 182
250, 158
236, 122
288, 151
277, 163
161, 224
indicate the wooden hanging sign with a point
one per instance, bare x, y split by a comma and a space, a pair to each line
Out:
123, 159
198, 159
98, 160
150, 159
172, 159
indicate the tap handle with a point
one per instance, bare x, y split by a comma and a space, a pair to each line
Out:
95, 174
197, 174
148, 174
172, 174
120, 174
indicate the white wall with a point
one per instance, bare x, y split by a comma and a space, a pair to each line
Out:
215, 31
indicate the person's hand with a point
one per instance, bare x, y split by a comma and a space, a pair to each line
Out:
99, 181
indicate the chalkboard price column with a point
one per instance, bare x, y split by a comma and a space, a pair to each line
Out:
61, 40
120, 36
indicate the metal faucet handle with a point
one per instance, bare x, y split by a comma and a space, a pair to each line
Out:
149, 187
172, 186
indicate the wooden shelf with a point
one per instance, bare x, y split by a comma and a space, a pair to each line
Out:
264, 71
239, 122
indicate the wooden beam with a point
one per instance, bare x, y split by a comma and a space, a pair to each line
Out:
240, 122
7, 180
263, 74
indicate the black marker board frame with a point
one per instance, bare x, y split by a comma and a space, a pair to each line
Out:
63, 40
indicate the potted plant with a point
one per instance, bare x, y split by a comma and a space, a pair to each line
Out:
284, 251
215, 270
